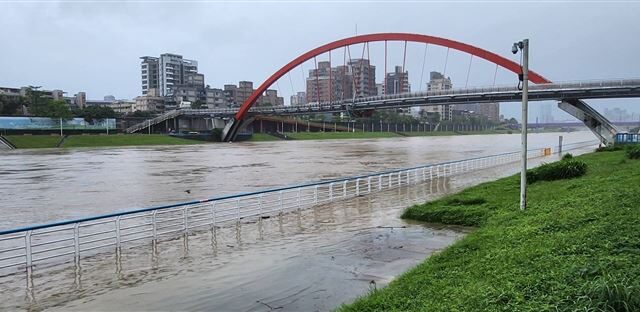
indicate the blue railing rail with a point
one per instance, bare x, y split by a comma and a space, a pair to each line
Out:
245, 194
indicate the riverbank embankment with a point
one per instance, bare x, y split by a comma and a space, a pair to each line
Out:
575, 247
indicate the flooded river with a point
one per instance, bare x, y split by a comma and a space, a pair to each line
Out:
312, 260
38, 186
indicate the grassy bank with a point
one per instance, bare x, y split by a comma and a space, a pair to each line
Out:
34, 141
43, 141
339, 135
446, 133
260, 137
576, 247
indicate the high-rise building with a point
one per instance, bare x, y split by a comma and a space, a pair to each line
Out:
364, 76
215, 98
236, 95
166, 72
397, 82
299, 98
437, 82
80, 100
489, 110
327, 84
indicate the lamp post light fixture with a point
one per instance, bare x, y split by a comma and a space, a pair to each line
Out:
524, 78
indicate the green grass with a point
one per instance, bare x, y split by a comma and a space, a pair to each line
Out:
576, 247
339, 135
446, 133
260, 137
33, 141
45, 141
125, 140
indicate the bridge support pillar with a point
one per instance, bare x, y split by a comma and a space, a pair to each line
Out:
604, 130
231, 129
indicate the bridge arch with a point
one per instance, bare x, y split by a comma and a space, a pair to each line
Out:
456, 45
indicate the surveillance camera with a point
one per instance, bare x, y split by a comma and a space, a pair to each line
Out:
514, 48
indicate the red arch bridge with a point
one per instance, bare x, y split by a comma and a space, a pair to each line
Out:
570, 95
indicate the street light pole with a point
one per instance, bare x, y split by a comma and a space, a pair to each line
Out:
524, 47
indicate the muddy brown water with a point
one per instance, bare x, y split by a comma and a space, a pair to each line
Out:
313, 260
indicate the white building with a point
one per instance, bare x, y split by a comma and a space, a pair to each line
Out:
166, 72
438, 82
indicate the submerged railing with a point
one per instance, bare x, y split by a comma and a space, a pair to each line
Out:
26, 247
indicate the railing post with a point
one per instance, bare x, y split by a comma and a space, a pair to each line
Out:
238, 209
118, 232
380, 182
358, 187
331, 191
76, 241
154, 225
344, 189
213, 215
399, 178
315, 195
260, 205
390, 178
430, 172
369, 185
408, 177
298, 199
184, 219
27, 249
280, 198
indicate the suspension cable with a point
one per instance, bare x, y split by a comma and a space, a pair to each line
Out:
291, 82
362, 68
330, 81
344, 73
424, 60
317, 80
466, 83
353, 75
384, 88
304, 80
495, 74
444, 72
404, 59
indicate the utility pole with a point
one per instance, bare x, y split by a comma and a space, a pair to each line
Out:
524, 47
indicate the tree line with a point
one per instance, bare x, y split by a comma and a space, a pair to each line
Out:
35, 104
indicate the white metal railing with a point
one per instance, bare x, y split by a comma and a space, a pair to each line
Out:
25, 247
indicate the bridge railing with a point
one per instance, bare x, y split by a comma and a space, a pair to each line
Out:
46, 244
612, 83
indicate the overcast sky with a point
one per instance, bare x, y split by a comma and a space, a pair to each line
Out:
95, 46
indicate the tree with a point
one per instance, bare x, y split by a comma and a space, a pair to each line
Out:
197, 104
50, 108
11, 105
91, 113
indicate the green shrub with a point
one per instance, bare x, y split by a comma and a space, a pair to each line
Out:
567, 156
607, 295
565, 169
611, 148
633, 152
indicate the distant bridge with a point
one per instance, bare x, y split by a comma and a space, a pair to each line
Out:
569, 95
568, 91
